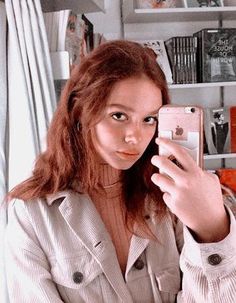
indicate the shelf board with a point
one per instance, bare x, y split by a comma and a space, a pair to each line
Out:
78, 6
202, 85
132, 15
220, 156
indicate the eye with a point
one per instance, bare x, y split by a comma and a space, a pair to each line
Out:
150, 120
119, 116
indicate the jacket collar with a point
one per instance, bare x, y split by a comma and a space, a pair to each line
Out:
137, 244
50, 199
76, 209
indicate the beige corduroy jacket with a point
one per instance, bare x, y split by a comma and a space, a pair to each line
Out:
58, 250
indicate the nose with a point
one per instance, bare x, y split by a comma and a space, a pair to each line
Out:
133, 135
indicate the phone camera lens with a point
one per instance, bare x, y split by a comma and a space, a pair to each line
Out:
192, 110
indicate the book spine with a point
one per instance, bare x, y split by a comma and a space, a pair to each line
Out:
169, 45
198, 37
194, 50
178, 60
233, 128
175, 59
181, 69
185, 66
188, 58
192, 61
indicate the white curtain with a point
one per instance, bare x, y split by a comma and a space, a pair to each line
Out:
31, 94
30, 100
3, 167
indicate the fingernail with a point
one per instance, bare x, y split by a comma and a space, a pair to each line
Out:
153, 177
154, 159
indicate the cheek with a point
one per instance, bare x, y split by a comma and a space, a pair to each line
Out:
105, 136
149, 134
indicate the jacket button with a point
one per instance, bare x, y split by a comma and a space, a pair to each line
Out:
78, 277
139, 264
214, 259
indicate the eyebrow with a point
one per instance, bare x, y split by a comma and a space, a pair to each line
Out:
130, 109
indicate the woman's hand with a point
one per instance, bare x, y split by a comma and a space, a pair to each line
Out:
192, 194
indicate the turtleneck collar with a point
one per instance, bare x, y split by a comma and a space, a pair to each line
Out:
108, 176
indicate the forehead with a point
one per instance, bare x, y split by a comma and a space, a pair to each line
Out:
137, 92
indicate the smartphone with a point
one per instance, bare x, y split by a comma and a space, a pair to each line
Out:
183, 125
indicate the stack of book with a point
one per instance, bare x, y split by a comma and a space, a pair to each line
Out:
70, 37
182, 56
209, 55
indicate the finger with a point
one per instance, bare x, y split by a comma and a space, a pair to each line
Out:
179, 152
163, 182
168, 200
167, 167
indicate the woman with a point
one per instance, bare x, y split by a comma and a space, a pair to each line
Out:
92, 225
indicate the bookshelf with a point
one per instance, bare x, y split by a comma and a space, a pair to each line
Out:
201, 85
163, 23
220, 156
132, 15
60, 60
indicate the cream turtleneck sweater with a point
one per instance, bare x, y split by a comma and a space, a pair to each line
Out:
111, 209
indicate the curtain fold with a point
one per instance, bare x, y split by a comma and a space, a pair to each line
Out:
3, 159
31, 97
27, 99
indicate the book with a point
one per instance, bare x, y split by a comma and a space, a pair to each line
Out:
88, 33
75, 42
216, 54
63, 22
156, 4
71, 32
158, 47
204, 3
98, 39
181, 52
220, 129
171, 49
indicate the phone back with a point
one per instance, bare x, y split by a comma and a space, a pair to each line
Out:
183, 125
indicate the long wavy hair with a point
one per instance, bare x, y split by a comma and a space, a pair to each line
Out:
69, 159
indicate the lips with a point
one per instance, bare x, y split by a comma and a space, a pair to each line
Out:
128, 155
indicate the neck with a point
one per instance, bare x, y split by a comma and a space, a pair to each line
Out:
109, 180
108, 176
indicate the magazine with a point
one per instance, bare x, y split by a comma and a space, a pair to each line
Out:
158, 47
219, 127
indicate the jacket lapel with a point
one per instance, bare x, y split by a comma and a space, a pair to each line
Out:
82, 217
137, 246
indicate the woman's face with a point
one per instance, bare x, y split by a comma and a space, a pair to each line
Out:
129, 122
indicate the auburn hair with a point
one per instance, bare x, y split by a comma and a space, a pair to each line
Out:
69, 160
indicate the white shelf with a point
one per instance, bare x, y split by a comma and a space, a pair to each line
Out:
133, 15
202, 85
219, 156
78, 6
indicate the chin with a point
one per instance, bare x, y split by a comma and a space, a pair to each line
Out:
121, 166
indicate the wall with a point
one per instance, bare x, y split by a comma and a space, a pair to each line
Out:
111, 25
108, 23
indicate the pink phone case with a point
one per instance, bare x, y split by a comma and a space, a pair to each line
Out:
183, 125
